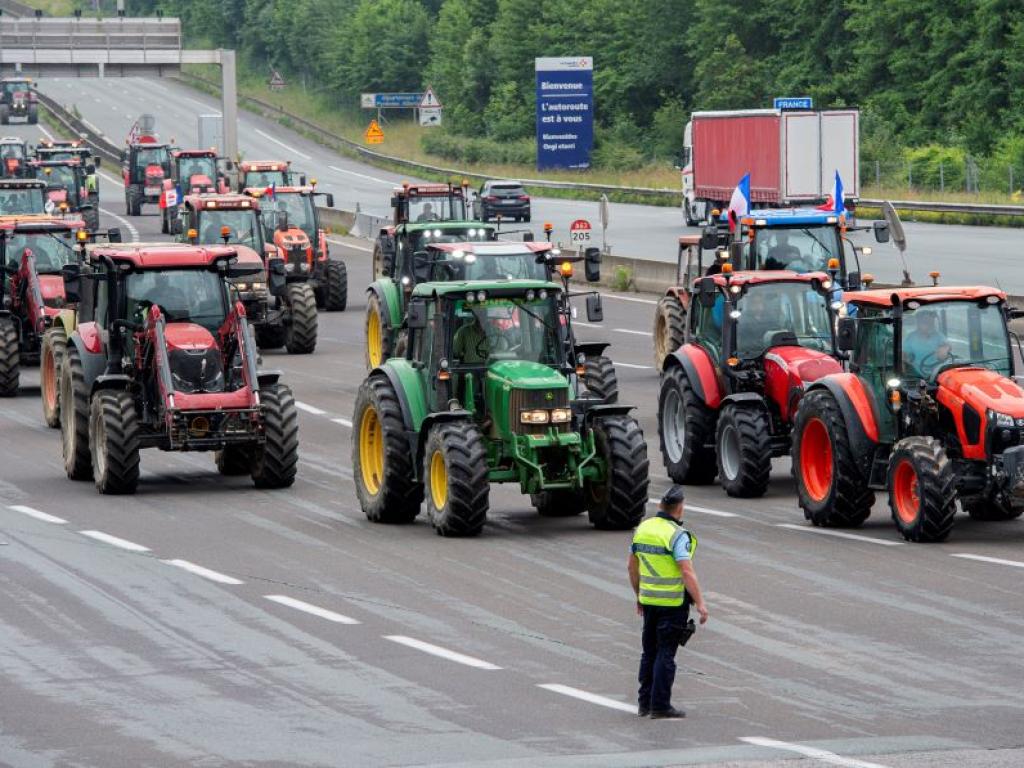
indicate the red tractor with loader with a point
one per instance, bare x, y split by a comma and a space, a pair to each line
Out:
164, 358
192, 171
929, 411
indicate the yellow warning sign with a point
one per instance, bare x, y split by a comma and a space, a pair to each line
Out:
374, 134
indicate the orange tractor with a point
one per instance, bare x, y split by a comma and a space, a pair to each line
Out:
266, 174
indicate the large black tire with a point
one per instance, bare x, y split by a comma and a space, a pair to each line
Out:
830, 488
134, 202
458, 488
270, 336
669, 328
618, 502
336, 290
922, 489
10, 358
5, 114
55, 343
234, 460
275, 462
164, 226
92, 219
600, 378
992, 509
558, 503
74, 417
33, 114
686, 427
744, 449
300, 334
114, 442
379, 339
383, 261
385, 478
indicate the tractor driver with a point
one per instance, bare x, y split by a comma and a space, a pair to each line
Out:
761, 314
925, 347
427, 214
782, 253
470, 345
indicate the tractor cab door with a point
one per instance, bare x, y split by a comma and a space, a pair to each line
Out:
708, 325
428, 349
874, 362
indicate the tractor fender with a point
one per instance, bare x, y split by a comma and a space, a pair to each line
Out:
745, 400
111, 381
438, 417
680, 294
700, 370
597, 411
93, 363
858, 409
387, 291
592, 348
263, 378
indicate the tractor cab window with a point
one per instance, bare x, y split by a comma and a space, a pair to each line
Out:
241, 221
184, 295
800, 249
524, 328
299, 209
24, 200
427, 209
197, 166
16, 151
707, 325
263, 179
145, 157
946, 334
420, 239
52, 250
12, 88
772, 314
512, 266
59, 176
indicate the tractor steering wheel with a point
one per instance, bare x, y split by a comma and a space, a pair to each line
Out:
937, 364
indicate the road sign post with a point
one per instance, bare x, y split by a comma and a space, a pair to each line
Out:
604, 223
429, 109
565, 111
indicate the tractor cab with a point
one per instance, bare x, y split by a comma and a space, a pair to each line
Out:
66, 188
18, 99
147, 163
13, 157
22, 196
396, 247
66, 150
265, 175
216, 219
293, 208
195, 170
427, 203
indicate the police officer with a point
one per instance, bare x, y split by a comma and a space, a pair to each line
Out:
662, 576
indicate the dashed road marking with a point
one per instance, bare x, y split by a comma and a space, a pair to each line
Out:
702, 510
31, 512
361, 175
634, 333
628, 298
309, 408
444, 653
592, 698
206, 573
984, 559
42, 130
343, 422
818, 754
132, 231
114, 541
362, 248
633, 365
293, 150
839, 534
314, 610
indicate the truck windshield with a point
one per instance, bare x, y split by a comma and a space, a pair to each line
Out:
773, 314
946, 334
439, 208
183, 295
242, 223
24, 200
800, 249
299, 208
506, 329
52, 250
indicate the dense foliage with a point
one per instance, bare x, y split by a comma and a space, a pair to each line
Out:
942, 73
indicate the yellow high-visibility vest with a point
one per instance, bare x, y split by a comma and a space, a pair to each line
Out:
661, 580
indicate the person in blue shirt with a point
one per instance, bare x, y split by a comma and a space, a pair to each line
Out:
925, 348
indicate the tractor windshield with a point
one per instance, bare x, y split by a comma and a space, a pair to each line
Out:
16, 87
146, 156
13, 150
59, 176
774, 314
800, 249
263, 179
52, 250
190, 167
241, 221
183, 295
510, 266
439, 208
946, 334
299, 208
420, 239
23, 200
523, 328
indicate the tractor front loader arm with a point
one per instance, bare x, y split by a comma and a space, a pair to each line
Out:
33, 293
156, 338
236, 328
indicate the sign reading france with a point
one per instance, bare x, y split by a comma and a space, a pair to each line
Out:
565, 111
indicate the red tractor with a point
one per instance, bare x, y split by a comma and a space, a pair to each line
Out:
192, 171
417, 204
66, 190
266, 174
18, 99
13, 157
163, 358
930, 410
144, 166
755, 340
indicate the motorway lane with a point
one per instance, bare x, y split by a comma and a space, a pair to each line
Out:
890, 649
963, 254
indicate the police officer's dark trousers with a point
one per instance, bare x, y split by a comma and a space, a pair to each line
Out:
663, 630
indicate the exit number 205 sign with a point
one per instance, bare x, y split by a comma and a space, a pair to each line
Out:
579, 232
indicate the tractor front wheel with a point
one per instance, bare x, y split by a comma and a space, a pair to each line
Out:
600, 378
744, 449
456, 473
300, 334
5, 114
686, 426
234, 460
336, 290
617, 502
558, 503
114, 442
10, 361
33, 114
383, 261
74, 417
922, 489
55, 343
992, 508
669, 328
274, 463
379, 343
382, 461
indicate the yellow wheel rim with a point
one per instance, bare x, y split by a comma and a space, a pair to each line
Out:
371, 450
438, 480
373, 338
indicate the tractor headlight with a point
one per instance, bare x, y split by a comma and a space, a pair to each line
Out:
242, 286
534, 417
1001, 419
304, 266
560, 415
735, 314
289, 267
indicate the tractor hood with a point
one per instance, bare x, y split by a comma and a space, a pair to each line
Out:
291, 238
788, 370
188, 337
154, 172
520, 374
51, 286
199, 181
985, 389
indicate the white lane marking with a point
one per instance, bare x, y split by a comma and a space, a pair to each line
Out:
323, 613
635, 333
196, 101
343, 422
702, 510
38, 515
42, 130
840, 534
995, 560
309, 408
586, 325
106, 538
111, 179
633, 365
819, 754
444, 653
362, 175
132, 231
293, 150
365, 249
206, 573
628, 298
592, 698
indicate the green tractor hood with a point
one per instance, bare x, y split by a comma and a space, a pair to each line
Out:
524, 375
537, 385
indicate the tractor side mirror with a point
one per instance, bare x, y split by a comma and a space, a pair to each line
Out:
846, 334
113, 235
421, 265
853, 281
277, 281
97, 161
881, 231
124, 157
330, 200
1015, 314
592, 264
595, 312
416, 317
72, 275
709, 238
302, 179
736, 255
707, 291
396, 201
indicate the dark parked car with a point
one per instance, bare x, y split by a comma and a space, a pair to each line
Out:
507, 198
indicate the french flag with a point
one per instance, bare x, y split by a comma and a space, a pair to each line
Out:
269, 191
739, 204
834, 202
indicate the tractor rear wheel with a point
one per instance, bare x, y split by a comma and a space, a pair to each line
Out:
379, 343
336, 290
114, 442
300, 334
992, 508
5, 114
382, 461
234, 460
600, 378
92, 219
558, 503
383, 261
459, 489
617, 502
669, 328
33, 114
922, 489
74, 417
55, 342
134, 201
274, 463
744, 448
10, 362
685, 427
830, 488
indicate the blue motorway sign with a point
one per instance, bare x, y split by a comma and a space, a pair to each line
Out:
565, 111
397, 100
794, 102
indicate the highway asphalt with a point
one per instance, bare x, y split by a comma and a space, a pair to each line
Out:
202, 622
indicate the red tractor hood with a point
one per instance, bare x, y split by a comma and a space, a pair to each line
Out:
57, 195
51, 286
199, 181
984, 389
154, 172
188, 336
789, 369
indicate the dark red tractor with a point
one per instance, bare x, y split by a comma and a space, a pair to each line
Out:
144, 166
164, 358
67, 190
192, 171
18, 99
13, 157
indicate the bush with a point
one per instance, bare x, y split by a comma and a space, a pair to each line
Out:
622, 278
666, 135
616, 156
463, 149
937, 167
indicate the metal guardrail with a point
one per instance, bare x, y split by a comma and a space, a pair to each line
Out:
77, 127
941, 207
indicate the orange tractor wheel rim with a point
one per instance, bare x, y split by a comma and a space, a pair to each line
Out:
816, 459
905, 492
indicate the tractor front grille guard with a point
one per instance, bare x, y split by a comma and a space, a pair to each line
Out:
212, 429
564, 461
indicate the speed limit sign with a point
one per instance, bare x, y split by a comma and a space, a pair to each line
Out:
579, 233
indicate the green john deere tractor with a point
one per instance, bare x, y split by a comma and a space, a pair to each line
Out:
489, 391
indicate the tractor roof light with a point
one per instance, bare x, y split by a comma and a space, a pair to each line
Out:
732, 362
867, 278
471, 258
459, 254
895, 399
893, 383
548, 226
734, 289
82, 235
716, 212
934, 275
833, 264
192, 234
565, 269
727, 268
735, 314
225, 231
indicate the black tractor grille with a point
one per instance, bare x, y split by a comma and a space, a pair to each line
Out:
198, 371
536, 399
